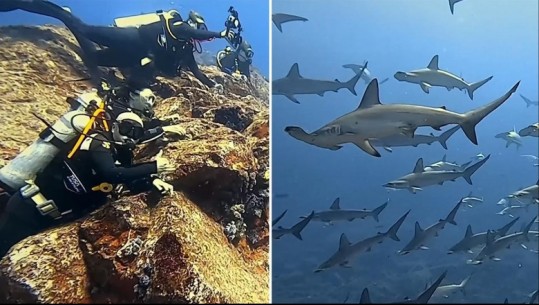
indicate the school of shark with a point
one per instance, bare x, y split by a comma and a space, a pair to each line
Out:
378, 125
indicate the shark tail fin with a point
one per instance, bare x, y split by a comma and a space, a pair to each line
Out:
527, 100
451, 216
473, 117
351, 84
468, 172
297, 228
379, 210
474, 86
452, 5
462, 285
392, 232
365, 297
527, 229
463, 167
446, 135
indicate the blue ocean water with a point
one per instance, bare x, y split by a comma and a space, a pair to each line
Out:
482, 38
253, 16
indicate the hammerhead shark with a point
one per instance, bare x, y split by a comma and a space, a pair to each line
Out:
366, 76
279, 232
472, 240
423, 298
529, 102
279, 18
335, 213
347, 251
421, 178
372, 119
421, 236
434, 76
530, 131
294, 84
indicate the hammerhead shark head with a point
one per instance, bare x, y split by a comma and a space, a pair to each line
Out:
279, 18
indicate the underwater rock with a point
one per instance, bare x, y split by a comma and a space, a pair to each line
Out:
145, 247
46, 268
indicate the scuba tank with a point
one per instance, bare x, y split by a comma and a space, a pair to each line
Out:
35, 158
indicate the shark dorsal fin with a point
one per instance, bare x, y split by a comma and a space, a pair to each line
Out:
370, 97
418, 229
365, 297
433, 64
343, 242
335, 205
468, 231
419, 166
444, 158
294, 72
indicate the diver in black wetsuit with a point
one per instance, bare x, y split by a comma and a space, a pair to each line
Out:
166, 45
71, 188
240, 60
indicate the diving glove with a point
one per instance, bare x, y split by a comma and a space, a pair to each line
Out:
163, 165
219, 88
163, 186
230, 34
174, 130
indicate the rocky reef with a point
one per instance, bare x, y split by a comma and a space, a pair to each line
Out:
206, 243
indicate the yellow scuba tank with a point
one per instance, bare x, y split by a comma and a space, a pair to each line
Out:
144, 19
50, 142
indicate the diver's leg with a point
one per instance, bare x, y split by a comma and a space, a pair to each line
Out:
19, 220
103, 35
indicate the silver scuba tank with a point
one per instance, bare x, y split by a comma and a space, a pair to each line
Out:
33, 159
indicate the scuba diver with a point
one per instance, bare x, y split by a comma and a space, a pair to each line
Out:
238, 61
69, 188
165, 44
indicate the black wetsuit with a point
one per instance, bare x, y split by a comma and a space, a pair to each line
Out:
237, 60
93, 164
126, 47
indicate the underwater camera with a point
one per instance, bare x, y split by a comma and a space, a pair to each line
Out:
233, 22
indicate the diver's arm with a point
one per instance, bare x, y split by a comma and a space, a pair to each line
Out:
103, 164
193, 66
184, 30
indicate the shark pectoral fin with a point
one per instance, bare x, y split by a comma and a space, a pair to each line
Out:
292, 98
524, 246
408, 131
345, 265
424, 248
414, 190
367, 147
388, 149
336, 147
425, 87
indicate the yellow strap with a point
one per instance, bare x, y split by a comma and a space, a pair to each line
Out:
168, 25
87, 128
